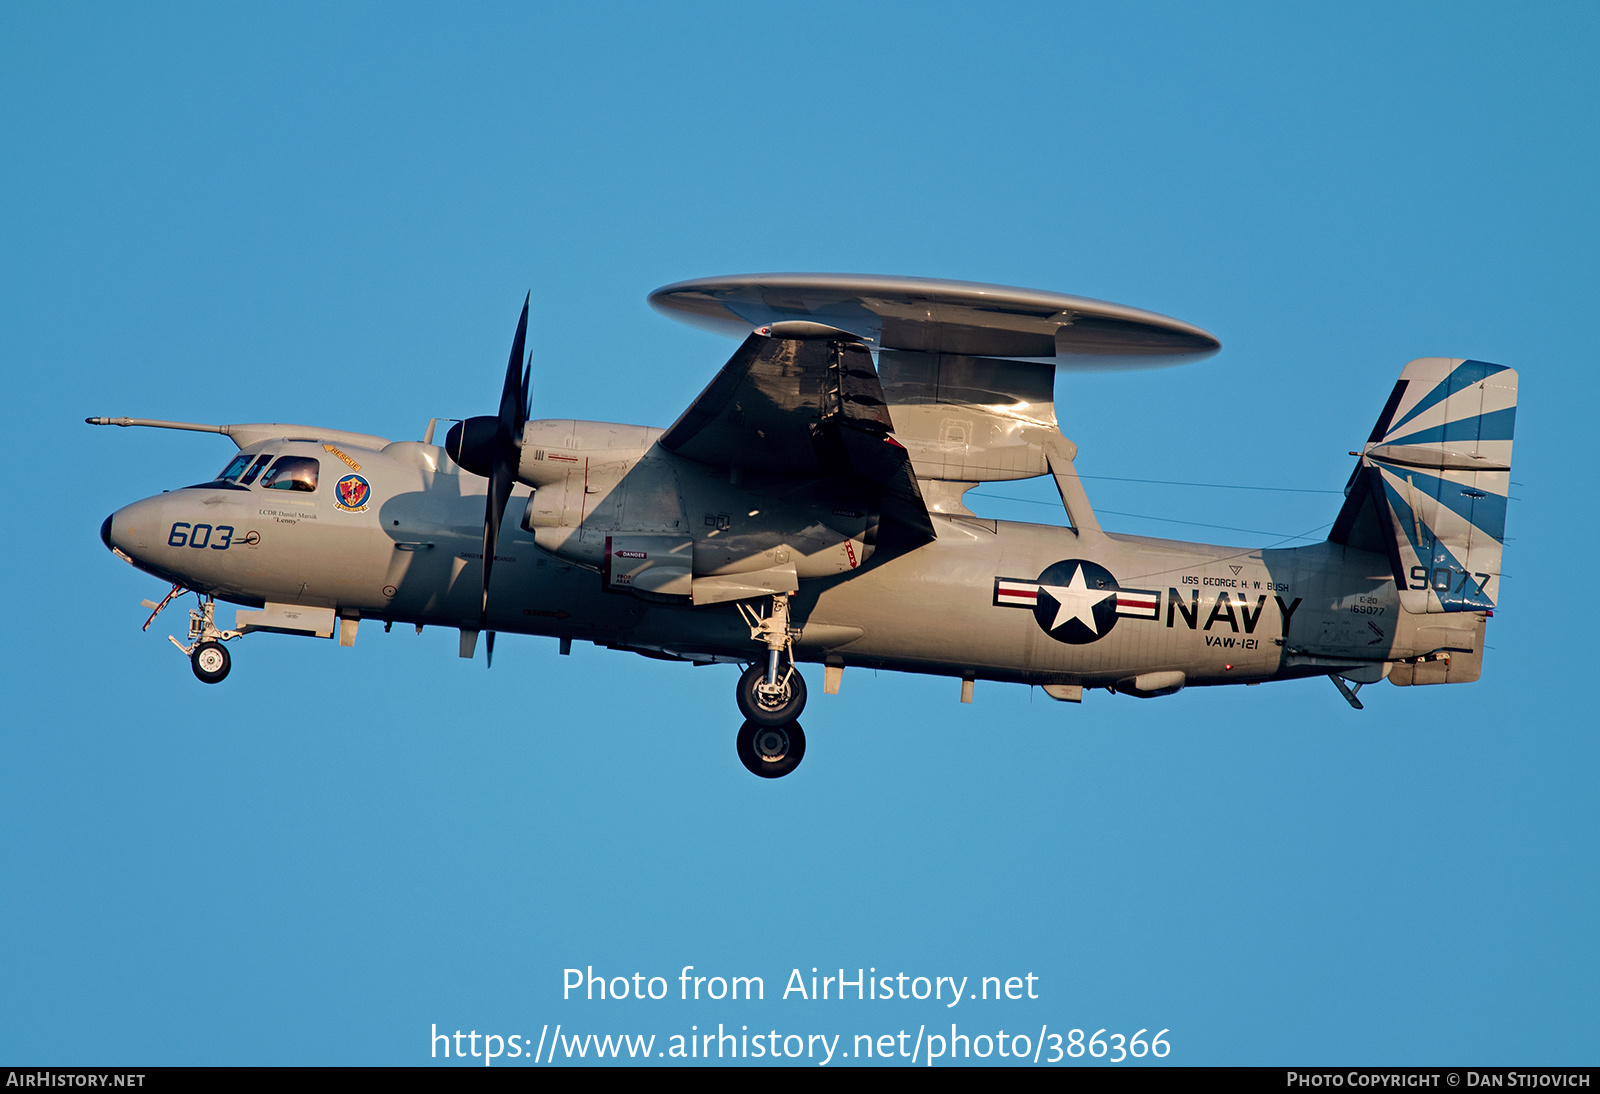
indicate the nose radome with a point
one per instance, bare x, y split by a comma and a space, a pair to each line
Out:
105, 533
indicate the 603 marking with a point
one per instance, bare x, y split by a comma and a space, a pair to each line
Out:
183, 534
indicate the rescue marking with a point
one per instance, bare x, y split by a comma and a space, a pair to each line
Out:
354, 466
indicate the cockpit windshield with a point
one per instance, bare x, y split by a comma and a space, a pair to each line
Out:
292, 473
234, 469
250, 476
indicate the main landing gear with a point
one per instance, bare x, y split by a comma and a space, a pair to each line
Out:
771, 751
769, 703
207, 657
771, 696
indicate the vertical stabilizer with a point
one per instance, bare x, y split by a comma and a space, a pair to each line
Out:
1431, 487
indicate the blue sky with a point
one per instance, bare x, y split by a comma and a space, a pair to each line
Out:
329, 214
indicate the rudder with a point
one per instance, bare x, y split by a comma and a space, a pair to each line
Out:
1431, 488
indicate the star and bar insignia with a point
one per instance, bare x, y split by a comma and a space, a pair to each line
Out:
1076, 601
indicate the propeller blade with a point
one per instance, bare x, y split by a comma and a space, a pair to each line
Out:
480, 443
512, 402
507, 449
500, 484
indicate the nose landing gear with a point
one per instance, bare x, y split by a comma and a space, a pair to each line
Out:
207, 657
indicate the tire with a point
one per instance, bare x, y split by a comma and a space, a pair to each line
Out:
210, 662
761, 709
771, 751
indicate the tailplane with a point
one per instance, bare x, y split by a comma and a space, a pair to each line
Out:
1430, 490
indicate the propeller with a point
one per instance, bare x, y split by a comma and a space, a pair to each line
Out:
491, 446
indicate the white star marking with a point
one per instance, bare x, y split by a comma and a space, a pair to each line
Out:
1076, 601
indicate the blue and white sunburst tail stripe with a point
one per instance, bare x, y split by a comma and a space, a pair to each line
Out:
1440, 461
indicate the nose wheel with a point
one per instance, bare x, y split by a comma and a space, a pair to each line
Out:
210, 662
771, 751
207, 656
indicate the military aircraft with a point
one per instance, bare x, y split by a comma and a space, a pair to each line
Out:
807, 508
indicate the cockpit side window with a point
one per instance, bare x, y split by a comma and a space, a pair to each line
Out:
292, 473
250, 475
232, 471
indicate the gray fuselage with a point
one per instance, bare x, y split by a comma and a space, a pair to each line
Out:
976, 602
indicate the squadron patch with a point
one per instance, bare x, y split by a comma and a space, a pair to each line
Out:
352, 493
1076, 601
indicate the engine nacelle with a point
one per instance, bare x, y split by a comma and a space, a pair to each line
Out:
594, 481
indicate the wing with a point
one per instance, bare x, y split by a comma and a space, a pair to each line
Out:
803, 399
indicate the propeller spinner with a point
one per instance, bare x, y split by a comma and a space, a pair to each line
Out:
491, 446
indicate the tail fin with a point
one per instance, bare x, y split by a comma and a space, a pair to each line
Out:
1430, 490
